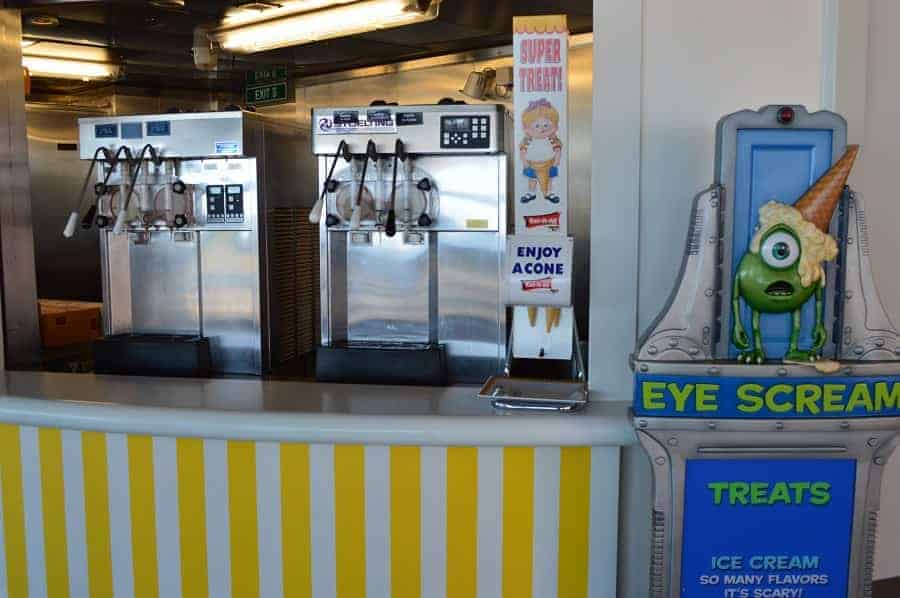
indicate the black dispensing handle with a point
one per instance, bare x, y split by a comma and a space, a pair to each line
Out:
371, 154
390, 228
88, 221
424, 185
331, 185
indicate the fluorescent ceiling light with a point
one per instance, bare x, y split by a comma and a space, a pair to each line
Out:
299, 23
68, 61
67, 69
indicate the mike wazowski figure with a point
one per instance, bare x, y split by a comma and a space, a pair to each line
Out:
784, 267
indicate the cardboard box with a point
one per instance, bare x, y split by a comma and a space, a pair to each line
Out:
68, 322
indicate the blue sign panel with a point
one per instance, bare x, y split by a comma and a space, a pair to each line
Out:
778, 164
159, 128
766, 398
106, 131
132, 131
767, 528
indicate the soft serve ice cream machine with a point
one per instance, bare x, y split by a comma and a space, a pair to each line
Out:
412, 222
183, 203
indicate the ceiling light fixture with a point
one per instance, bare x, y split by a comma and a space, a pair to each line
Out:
68, 61
297, 23
44, 20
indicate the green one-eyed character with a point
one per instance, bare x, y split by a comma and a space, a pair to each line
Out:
784, 266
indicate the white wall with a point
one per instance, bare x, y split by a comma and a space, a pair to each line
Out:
704, 59
876, 179
687, 63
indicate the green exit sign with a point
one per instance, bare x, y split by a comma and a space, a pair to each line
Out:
269, 75
274, 93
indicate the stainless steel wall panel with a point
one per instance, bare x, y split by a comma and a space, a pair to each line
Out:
165, 282
469, 304
21, 333
387, 287
231, 300
66, 268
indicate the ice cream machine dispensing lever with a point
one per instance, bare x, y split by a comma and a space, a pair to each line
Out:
371, 155
390, 227
330, 186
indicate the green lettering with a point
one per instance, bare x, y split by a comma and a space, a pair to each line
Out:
780, 494
885, 399
738, 492
652, 395
772, 393
718, 488
750, 400
834, 397
808, 397
860, 397
758, 492
707, 397
680, 395
821, 493
799, 489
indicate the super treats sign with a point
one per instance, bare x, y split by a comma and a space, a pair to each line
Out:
541, 55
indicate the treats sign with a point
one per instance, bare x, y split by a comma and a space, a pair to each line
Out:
541, 55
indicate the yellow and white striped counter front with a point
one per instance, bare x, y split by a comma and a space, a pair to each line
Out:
107, 514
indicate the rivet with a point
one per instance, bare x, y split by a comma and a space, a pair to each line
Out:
781, 371
712, 240
714, 202
694, 350
673, 342
848, 371
779, 425
673, 441
872, 442
858, 349
879, 460
879, 342
642, 423
849, 240
660, 460
713, 370
711, 425
645, 367
845, 425
709, 292
652, 350
848, 295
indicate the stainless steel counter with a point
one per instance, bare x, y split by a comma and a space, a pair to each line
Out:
296, 412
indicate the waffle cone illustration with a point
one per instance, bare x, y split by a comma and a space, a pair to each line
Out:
818, 204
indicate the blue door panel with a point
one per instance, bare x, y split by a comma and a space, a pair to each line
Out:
779, 164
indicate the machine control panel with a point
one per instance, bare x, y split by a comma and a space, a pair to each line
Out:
468, 132
225, 204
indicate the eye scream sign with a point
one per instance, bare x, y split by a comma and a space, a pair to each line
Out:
538, 270
766, 398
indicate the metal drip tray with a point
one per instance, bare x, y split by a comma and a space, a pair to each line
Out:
534, 394
413, 364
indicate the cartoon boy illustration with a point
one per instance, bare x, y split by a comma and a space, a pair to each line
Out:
541, 149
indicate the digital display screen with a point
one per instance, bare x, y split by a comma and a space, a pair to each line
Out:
457, 125
159, 128
106, 131
132, 131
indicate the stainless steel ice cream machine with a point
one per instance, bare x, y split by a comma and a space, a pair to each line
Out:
189, 209
412, 223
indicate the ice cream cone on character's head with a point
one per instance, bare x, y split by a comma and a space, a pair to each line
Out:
541, 149
784, 266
